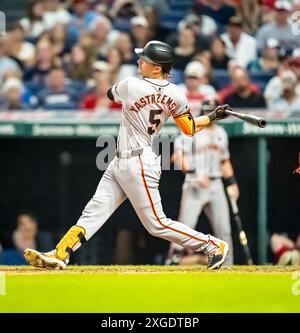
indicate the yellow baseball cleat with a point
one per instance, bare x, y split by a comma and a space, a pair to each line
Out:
43, 260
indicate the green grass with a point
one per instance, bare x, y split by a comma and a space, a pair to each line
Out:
150, 289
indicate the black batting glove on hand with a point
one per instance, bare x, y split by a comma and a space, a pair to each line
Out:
219, 112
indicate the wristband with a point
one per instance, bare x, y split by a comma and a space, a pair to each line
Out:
229, 181
191, 171
212, 116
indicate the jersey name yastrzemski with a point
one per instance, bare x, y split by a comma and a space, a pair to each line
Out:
152, 99
147, 105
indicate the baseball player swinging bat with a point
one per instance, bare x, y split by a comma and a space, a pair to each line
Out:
249, 118
242, 234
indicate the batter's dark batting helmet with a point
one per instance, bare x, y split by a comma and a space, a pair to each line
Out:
157, 53
208, 105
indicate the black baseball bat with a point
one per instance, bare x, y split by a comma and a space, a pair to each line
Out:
249, 118
242, 234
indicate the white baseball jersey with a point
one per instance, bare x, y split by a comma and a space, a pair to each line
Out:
205, 151
147, 105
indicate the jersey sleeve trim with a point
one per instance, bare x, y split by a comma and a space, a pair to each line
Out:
186, 123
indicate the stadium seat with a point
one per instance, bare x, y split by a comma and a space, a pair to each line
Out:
177, 76
181, 5
170, 19
261, 78
12, 257
221, 78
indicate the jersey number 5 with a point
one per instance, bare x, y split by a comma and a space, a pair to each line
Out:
154, 120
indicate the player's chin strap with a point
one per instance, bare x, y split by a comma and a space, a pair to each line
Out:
186, 123
75, 236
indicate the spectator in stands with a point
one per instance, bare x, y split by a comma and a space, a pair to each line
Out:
194, 23
35, 76
58, 37
251, 12
123, 11
28, 98
78, 67
82, 17
105, 37
159, 6
195, 86
289, 102
26, 234
267, 11
124, 44
273, 90
156, 28
219, 11
11, 95
57, 95
54, 13
240, 46
186, 49
294, 64
205, 24
279, 29
140, 32
88, 42
219, 58
118, 69
285, 250
243, 95
97, 100
33, 23
20, 50
268, 62
204, 57
6, 63
99, 68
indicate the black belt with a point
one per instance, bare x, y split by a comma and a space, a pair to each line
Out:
129, 153
214, 178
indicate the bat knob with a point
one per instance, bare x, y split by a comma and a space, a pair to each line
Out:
262, 123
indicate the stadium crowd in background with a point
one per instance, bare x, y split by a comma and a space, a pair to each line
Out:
62, 55
26, 233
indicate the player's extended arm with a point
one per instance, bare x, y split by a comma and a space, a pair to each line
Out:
229, 179
190, 125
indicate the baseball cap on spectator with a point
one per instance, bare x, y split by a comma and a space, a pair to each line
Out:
295, 61
191, 19
139, 21
101, 66
272, 42
78, 1
296, 53
283, 5
12, 83
288, 80
195, 69
236, 20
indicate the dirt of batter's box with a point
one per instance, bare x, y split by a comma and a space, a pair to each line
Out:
195, 269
